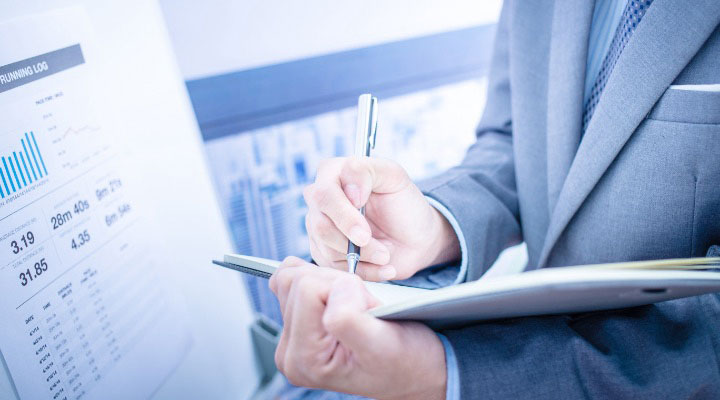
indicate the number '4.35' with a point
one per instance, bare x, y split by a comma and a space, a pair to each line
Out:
81, 239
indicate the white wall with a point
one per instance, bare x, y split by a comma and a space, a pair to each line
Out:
216, 36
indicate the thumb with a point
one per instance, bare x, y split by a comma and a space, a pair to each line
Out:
345, 315
361, 176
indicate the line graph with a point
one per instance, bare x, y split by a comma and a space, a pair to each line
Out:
76, 131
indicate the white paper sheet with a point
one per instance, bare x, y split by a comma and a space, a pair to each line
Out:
83, 307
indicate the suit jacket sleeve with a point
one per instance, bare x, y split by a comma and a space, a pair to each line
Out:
480, 192
667, 350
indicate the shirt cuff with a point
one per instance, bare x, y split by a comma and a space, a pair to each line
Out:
458, 232
452, 391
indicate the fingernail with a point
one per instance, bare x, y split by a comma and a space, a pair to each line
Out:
352, 192
380, 257
359, 236
387, 272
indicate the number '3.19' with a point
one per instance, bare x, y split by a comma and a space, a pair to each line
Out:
23, 243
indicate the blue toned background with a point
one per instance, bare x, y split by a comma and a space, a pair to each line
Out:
274, 86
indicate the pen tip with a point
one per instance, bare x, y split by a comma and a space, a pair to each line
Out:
352, 264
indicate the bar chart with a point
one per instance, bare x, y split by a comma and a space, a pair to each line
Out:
21, 167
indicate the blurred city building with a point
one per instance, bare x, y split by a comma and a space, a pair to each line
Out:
259, 174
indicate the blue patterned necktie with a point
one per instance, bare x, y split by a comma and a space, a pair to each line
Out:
634, 11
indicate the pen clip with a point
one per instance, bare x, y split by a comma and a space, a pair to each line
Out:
374, 122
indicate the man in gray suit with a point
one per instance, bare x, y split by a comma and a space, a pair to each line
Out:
593, 147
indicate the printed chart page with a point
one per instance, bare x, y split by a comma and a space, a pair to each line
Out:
83, 307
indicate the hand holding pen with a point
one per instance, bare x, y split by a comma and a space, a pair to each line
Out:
400, 232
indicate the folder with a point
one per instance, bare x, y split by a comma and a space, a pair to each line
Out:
545, 291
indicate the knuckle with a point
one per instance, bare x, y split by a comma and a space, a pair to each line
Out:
292, 261
272, 283
363, 273
281, 274
308, 223
339, 265
294, 371
290, 373
322, 374
324, 229
315, 195
354, 164
283, 277
321, 196
346, 220
318, 257
358, 281
279, 277
305, 284
308, 194
279, 361
324, 164
355, 169
336, 322
313, 376
398, 169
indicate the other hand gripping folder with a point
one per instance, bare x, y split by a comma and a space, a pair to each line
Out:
538, 292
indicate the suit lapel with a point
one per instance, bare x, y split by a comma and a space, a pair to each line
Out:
665, 41
566, 82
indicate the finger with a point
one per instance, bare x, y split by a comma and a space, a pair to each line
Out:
328, 198
321, 228
281, 349
284, 278
332, 244
318, 255
280, 284
346, 318
375, 273
292, 261
361, 176
281, 280
356, 179
308, 337
287, 262
292, 269
375, 252
288, 327
369, 272
308, 296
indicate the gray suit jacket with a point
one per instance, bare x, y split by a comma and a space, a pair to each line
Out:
642, 183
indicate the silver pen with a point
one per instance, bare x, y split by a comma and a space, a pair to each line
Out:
365, 134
